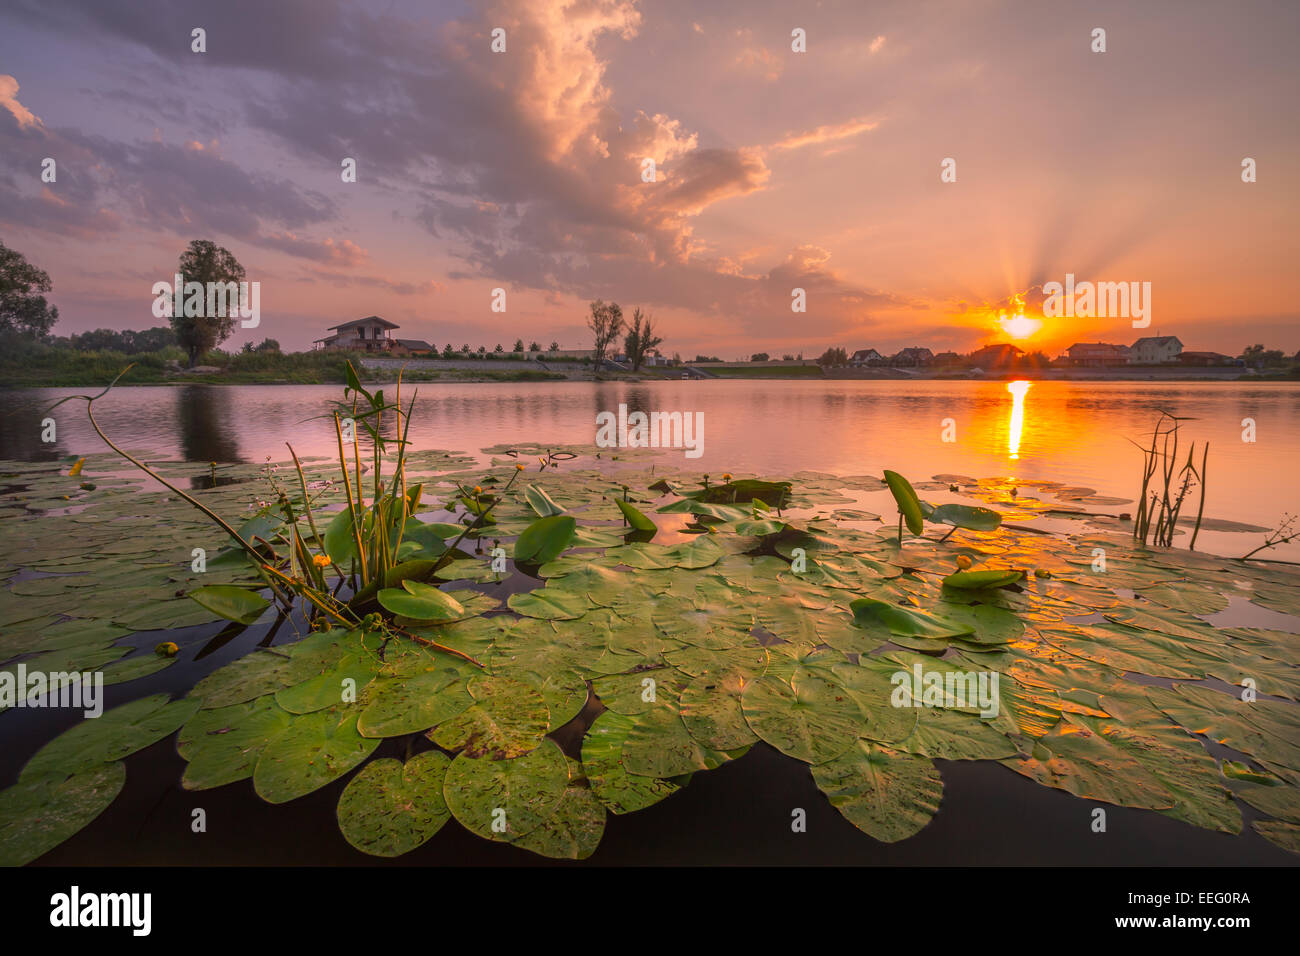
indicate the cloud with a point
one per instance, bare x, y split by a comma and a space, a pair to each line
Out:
9, 100
826, 134
345, 253
396, 286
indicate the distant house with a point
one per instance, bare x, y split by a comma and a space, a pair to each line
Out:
1098, 354
1206, 359
1155, 350
866, 357
370, 334
411, 347
995, 357
913, 357
947, 359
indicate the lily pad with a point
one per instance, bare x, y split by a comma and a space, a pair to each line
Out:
40, 811
314, 750
886, 794
391, 808
502, 800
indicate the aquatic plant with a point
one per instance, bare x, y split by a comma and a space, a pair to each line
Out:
1159, 505
376, 546
626, 666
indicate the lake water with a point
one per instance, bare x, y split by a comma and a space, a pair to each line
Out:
1072, 432
1077, 433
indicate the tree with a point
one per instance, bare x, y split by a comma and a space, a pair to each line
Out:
482, 350
519, 345
834, 356
498, 349
759, 357
555, 346
127, 341
1257, 356
640, 339
534, 347
449, 351
203, 262
707, 358
267, 345
22, 309
606, 324
787, 358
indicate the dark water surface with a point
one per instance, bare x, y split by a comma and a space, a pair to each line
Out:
740, 813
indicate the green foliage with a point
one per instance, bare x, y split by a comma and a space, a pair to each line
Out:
205, 262
23, 310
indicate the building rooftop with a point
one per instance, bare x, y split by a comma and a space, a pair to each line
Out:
368, 320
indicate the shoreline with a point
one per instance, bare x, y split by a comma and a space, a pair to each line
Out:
221, 379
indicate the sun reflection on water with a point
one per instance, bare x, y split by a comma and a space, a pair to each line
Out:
1017, 390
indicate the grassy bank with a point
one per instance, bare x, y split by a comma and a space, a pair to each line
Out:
36, 366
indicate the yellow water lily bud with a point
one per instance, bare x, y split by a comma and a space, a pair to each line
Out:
166, 649
963, 561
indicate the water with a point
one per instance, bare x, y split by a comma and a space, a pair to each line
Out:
1073, 433
1077, 433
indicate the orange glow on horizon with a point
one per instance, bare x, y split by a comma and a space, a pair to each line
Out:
1019, 326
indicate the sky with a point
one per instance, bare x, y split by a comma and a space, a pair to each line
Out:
774, 169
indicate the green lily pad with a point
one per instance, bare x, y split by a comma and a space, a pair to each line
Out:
573, 831
42, 810
391, 808
314, 750
222, 746
712, 713
115, 734
886, 794
545, 539
241, 605
502, 800
421, 602
507, 719
814, 721
602, 758
413, 703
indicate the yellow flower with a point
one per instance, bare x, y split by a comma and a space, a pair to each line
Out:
963, 561
321, 560
519, 467
726, 477
478, 490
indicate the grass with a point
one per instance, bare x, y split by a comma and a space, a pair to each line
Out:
33, 365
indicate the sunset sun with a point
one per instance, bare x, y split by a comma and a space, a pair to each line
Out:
1019, 326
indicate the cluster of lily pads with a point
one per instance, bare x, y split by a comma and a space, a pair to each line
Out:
653, 626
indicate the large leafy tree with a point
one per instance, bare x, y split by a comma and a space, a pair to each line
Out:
640, 339
606, 324
23, 310
205, 261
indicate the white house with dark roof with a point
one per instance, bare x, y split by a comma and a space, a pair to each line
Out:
371, 334
1155, 350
